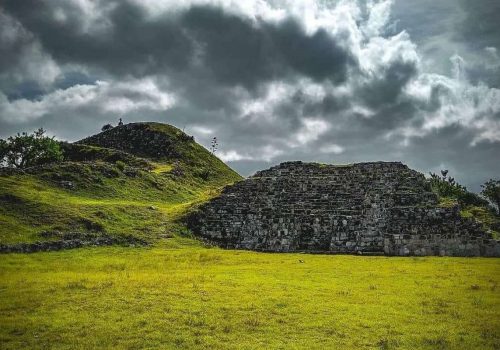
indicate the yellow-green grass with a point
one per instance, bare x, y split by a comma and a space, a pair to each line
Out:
145, 206
111, 192
484, 216
162, 168
182, 295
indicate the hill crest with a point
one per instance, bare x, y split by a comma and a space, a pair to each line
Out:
145, 139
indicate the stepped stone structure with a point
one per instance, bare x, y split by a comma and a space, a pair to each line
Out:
366, 208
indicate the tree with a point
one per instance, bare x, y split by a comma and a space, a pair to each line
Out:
3, 152
107, 127
491, 191
25, 150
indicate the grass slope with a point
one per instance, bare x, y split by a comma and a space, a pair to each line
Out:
184, 296
115, 192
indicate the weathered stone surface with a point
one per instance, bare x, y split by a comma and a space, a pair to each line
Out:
360, 208
141, 139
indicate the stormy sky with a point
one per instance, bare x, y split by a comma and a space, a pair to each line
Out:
336, 81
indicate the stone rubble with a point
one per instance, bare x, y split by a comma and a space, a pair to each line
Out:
366, 208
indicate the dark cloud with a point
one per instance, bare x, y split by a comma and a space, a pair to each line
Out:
21, 61
129, 44
72, 78
387, 87
448, 148
480, 32
481, 26
318, 56
481, 73
448, 27
28, 89
271, 89
235, 50
12, 42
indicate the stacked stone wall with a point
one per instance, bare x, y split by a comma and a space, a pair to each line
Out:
361, 208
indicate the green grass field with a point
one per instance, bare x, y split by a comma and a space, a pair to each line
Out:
183, 295
177, 293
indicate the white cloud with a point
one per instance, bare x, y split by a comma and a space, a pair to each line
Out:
104, 97
310, 131
491, 50
287, 118
200, 130
472, 107
232, 156
379, 15
263, 107
269, 152
332, 148
266, 153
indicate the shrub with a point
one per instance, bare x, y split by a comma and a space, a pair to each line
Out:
107, 127
25, 150
120, 165
446, 186
185, 137
203, 174
469, 198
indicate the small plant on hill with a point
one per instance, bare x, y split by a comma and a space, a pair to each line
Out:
107, 127
203, 174
214, 145
491, 191
120, 165
25, 150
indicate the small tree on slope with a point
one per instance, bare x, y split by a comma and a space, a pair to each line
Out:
107, 127
26, 150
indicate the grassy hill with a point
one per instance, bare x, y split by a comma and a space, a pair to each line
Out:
136, 179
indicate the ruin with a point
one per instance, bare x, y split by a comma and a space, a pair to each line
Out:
366, 208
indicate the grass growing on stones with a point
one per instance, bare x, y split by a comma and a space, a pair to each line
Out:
181, 294
484, 216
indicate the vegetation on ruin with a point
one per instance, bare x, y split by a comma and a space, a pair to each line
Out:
472, 205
